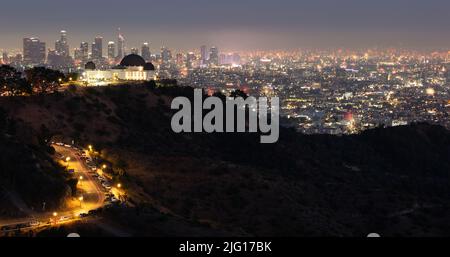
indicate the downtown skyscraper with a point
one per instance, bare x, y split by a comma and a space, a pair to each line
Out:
204, 55
34, 51
84, 50
62, 46
120, 46
145, 52
214, 56
97, 48
111, 50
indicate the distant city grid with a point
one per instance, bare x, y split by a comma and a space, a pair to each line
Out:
326, 92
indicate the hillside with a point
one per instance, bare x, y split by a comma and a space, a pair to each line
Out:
29, 178
394, 181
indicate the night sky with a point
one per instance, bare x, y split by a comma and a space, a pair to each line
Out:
233, 24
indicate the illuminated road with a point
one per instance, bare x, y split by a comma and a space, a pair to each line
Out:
89, 188
90, 196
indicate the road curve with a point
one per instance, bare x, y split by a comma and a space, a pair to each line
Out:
91, 190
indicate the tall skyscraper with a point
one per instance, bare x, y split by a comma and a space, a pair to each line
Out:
55, 60
204, 55
145, 52
78, 55
111, 50
214, 56
120, 45
34, 51
84, 50
62, 46
166, 55
97, 48
190, 58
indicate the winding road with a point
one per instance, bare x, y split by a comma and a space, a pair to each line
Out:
90, 196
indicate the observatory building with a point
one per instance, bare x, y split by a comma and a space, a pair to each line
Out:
132, 68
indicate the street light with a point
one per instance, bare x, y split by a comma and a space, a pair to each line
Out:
55, 214
81, 200
80, 179
119, 185
104, 166
67, 161
90, 148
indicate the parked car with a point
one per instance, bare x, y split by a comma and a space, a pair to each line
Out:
23, 225
35, 223
64, 218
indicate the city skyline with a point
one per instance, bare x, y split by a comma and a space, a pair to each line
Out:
252, 25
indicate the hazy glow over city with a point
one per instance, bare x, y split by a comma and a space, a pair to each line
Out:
234, 25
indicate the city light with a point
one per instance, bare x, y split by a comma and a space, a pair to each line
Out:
430, 91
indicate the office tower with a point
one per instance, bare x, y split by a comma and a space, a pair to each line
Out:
94, 51
166, 55
111, 50
134, 50
84, 50
62, 46
77, 54
145, 52
33, 51
190, 58
55, 60
120, 46
204, 55
97, 48
214, 56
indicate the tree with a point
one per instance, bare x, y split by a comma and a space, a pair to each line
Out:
12, 83
8, 72
120, 167
44, 80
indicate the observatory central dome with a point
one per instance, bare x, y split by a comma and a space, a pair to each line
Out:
132, 60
